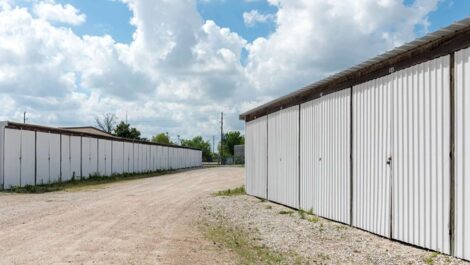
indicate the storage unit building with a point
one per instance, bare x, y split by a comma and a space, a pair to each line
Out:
381, 146
33, 155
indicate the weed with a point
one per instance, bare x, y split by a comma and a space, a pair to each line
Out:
231, 192
308, 215
430, 259
286, 212
313, 219
76, 184
262, 199
245, 245
268, 207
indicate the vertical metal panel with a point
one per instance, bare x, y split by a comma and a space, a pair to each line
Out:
75, 159
2, 153
136, 158
89, 156
127, 157
65, 166
86, 167
159, 161
154, 157
101, 157
42, 158
93, 156
12, 158
283, 157
462, 149
142, 158
325, 151
117, 157
371, 149
166, 162
28, 157
54, 157
256, 153
171, 157
146, 158
421, 127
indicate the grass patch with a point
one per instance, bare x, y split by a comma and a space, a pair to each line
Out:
81, 184
430, 259
286, 212
231, 192
245, 247
308, 215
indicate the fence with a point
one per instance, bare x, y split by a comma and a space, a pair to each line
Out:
378, 155
32, 155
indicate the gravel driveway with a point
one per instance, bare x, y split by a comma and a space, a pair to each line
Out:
146, 221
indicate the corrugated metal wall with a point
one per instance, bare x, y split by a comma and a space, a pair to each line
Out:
462, 159
65, 168
283, 156
2, 152
12, 159
41, 158
54, 157
421, 147
401, 145
256, 165
75, 156
325, 156
118, 163
371, 148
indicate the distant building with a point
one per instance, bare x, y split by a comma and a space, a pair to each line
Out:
239, 154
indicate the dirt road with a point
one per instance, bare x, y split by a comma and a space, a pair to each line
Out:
147, 221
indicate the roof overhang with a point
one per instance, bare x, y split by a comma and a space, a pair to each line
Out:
442, 42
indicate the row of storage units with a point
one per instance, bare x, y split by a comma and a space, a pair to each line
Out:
376, 156
30, 157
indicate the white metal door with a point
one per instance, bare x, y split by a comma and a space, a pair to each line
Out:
372, 104
283, 157
12, 170
325, 156
421, 147
462, 154
256, 157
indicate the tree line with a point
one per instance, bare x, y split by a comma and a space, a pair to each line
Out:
109, 123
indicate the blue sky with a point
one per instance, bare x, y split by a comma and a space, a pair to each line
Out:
113, 17
181, 70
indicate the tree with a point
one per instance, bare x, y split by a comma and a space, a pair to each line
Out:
107, 123
199, 143
161, 138
230, 140
124, 130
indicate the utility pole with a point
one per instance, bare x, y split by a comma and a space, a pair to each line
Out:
213, 141
24, 117
221, 138
179, 142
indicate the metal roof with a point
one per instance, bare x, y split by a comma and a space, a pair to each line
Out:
68, 131
425, 40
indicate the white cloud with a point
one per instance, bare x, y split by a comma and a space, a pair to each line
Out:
314, 39
53, 12
180, 71
253, 17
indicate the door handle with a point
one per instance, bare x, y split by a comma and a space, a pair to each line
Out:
389, 160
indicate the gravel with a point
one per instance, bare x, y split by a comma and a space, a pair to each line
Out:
317, 240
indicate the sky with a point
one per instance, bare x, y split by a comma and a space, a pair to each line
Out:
174, 65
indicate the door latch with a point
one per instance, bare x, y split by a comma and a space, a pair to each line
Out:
389, 160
